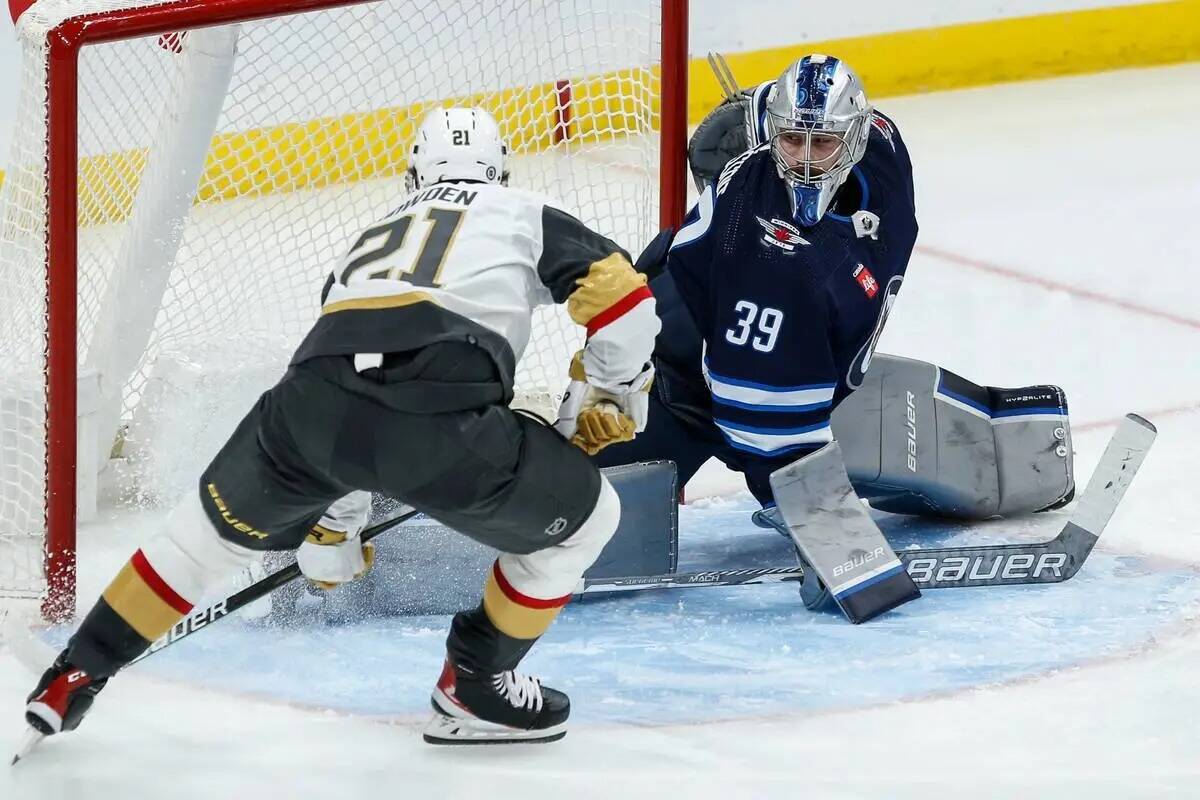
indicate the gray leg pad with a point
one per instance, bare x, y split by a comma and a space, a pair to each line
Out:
918, 439
647, 538
837, 538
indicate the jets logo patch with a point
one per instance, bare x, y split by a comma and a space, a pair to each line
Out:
867, 281
781, 234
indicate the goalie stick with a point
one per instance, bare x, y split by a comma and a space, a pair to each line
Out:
956, 567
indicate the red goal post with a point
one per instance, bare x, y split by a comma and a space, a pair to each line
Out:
65, 209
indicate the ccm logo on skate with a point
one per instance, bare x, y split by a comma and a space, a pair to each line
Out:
1019, 566
857, 561
229, 518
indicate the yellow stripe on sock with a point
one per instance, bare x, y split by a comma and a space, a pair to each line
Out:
512, 618
136, 603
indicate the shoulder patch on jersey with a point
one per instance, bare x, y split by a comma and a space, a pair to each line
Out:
866, 224
886, 129
733, 166
783, 235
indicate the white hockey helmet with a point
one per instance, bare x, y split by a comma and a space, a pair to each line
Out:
457, 144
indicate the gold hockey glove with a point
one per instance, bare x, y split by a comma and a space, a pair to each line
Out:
593, 417
329, 558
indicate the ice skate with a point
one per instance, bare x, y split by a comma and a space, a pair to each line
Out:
474, 708
62, 697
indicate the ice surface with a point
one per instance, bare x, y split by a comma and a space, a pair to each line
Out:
1049, 251
716, 654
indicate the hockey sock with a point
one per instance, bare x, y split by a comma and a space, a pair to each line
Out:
154, 590
495, 636
524, 593
136, 609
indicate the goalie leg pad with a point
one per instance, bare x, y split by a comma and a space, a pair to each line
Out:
837, 537
918, 439
647, 538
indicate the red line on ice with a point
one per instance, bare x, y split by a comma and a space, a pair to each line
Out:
1046, 283
1186, 408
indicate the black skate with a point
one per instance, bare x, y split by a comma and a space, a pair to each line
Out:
62, 698
475, 708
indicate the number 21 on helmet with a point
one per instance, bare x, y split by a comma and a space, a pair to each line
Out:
462, 144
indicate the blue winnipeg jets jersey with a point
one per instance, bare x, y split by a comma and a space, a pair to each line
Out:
789, 316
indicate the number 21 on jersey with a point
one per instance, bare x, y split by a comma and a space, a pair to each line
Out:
759, 328
383, 247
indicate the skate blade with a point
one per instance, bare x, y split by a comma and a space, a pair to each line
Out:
443, 729
31, 740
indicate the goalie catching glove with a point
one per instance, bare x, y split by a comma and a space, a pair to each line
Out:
593, 417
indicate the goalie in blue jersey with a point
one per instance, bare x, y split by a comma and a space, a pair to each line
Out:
773, 295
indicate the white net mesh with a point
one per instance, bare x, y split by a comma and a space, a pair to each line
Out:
185, 317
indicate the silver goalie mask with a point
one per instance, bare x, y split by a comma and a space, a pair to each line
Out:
818, 121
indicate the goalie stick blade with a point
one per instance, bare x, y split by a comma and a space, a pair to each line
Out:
1120, 463
1047, 562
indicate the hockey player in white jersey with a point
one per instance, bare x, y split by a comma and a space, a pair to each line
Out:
402, 388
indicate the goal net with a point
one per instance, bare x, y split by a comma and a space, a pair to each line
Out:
183, 175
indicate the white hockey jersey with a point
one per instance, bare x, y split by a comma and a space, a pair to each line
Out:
467, 259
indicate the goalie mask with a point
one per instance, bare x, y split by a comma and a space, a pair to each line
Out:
457, 144
818, 120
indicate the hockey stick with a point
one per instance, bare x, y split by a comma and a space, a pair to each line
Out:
956, 567
723, 74
223, 608
216, 612
34, 654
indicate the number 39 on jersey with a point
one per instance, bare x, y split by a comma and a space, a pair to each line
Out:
759, 328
